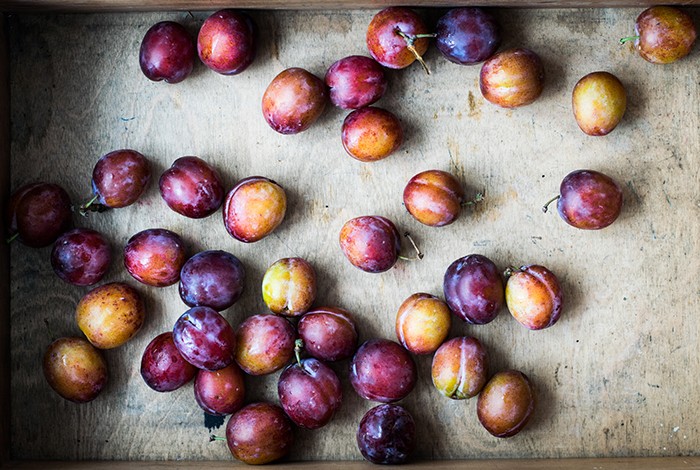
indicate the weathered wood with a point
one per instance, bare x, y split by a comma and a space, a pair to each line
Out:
666, 463
615, 377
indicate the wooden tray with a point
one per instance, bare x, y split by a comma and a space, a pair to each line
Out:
616, 377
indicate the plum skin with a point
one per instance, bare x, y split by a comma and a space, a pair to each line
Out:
259, 433
204, 338
167, 53
75, 369
599, 102
534, 297
220, 392
473, 289
512, 78
371, 134
666, 34
386, 435
371, 243
38, 213
389, 48
81, 257
310, 393
120, 178
162, 366
434, 198
226, 42
110, 315
506, 403
460, 368
264, 344
155, 257
422, 323
191, 187
383, 371
589, 200
329, 333
254, 208
467, 36
213, 278
293, 101
355, 82
289, 287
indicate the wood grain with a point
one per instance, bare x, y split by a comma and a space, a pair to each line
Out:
667, 463
615, 377
199, 5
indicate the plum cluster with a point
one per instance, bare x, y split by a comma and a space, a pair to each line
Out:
296, 337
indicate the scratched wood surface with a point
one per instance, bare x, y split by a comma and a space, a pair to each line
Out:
617, 376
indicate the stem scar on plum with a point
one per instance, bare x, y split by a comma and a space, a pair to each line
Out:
419, 254
510, 270
410, 41
545, 208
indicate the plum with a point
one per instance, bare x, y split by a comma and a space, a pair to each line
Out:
435, 198
212, 279
422, 323
533, 296
289, 287
167, 53
38, 213
294, 100
473, 289
588, 200
110, 315
81, 257
191, 187
396, 37
371, 243
386, 435
512, 78
220, 392
506, 403
226, 42
467, 36
75, 369
599, 102
118, 180
355, 82
162, 366
371, 134
382, 371
155, 257
664, 34
254, 208
460, 368
310, 393
329, 333
264, 344
259, 433
204, 338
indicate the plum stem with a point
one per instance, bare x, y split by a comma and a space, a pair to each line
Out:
510, 270
12, 238
298, 346
419, 254
90, 206
477, 199
410, 41
628, 39
214, 437
545, 208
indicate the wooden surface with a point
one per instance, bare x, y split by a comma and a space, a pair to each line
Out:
615, 377
665, 463
194, 5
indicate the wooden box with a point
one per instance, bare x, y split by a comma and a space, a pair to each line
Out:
616, 378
